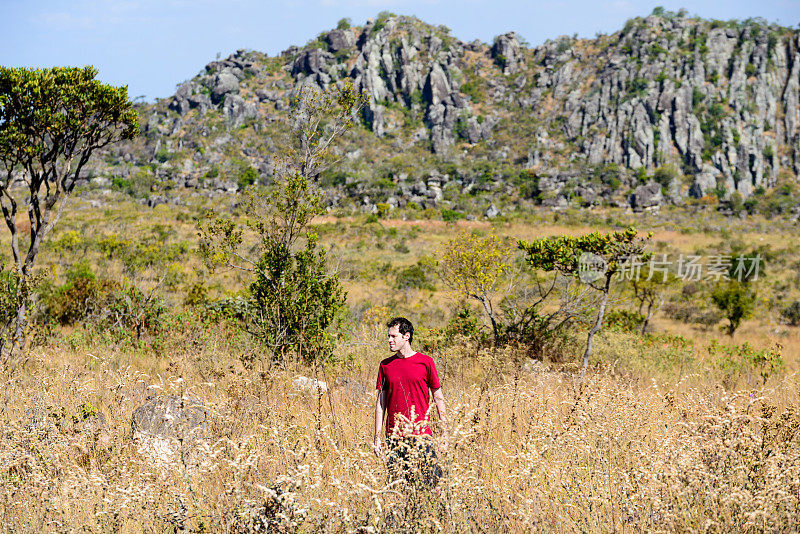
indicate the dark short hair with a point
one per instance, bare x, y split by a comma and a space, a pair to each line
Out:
403, 325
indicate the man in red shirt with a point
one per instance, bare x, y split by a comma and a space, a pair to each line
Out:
403, 383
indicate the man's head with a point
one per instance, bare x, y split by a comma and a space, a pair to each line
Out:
401, 332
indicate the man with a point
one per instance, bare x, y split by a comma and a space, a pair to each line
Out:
403, 385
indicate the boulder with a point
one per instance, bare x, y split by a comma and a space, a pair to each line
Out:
475, 46
704, 182
268, 96
167, 425
237, 110
646, 196
340, 40
491, 212
155, 200
437, 89
310, 386
474, 132
375, 116
180, 105
506, 52
420, 134
224, 83
201, 101
311, 61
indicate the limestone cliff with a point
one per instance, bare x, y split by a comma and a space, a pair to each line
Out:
701, 107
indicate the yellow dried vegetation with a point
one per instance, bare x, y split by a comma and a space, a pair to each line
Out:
531, 448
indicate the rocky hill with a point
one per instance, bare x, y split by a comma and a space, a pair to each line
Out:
667, 109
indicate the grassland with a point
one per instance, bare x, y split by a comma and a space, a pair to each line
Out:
666, 432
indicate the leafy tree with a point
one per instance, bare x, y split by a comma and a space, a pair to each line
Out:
474, 268
593, 258
294, 299
736, 300
51, 121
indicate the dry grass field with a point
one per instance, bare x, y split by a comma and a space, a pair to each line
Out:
663, 433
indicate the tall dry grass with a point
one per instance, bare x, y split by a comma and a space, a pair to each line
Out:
655, 438
536, 450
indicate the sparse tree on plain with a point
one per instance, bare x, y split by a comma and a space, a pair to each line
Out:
293, 296
593, 258
475, 268
51, 122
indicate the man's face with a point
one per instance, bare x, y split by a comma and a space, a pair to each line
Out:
396, 339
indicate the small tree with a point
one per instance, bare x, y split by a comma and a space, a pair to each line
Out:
736, 300
593, 258
51, 121
474, 268
294, 299
649, 294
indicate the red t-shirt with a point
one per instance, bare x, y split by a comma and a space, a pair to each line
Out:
406, 381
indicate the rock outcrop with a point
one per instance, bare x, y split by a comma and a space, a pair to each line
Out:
720, 101
169, 429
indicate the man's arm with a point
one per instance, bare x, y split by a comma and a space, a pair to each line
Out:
380, 412
438, 398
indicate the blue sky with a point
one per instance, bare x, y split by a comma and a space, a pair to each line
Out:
153, 45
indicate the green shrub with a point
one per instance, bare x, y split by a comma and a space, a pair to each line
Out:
625, 320
473, 90
380, 22
791, 314
308, 299
666, 175
402, 248
163, 155
464, 324
742, 361
637, 86
196, 295
697, 98
418, 276
120, 183
127, 311
79, 297
449, 215
247, 176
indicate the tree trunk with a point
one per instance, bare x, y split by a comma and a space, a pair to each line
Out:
647, 317
598, 324
488, 309
18, 338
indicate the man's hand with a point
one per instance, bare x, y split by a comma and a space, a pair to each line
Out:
377, 447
